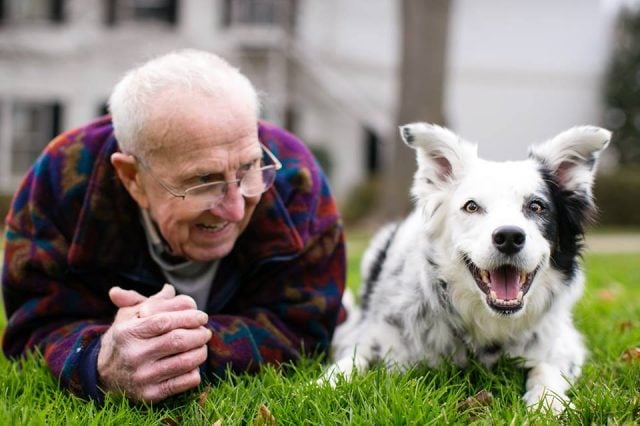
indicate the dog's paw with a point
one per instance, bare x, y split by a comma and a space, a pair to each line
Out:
330, 377
343, 368
541, 398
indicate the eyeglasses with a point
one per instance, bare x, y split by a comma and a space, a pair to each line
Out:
251, 182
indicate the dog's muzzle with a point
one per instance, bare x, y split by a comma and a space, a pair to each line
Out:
505, 286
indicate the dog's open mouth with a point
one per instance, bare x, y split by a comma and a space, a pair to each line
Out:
505, 286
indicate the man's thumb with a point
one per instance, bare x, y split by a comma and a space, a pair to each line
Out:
124, 298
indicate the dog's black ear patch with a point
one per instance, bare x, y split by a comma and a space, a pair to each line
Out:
571, 212
407, 136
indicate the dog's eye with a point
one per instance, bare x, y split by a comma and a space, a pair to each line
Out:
536, 207
471, 207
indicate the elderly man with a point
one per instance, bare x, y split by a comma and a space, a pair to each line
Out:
181, 185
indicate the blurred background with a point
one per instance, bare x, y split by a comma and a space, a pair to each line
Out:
343, 74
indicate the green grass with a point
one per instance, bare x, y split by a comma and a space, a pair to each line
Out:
607, 393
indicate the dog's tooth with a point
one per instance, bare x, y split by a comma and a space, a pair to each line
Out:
523, 278
520, 296
485, 276
493, 295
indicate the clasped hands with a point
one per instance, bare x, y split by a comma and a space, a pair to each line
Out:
154, 347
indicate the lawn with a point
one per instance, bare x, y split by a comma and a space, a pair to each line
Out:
607, 393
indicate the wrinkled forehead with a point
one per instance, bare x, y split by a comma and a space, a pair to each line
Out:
502, 179
188, 128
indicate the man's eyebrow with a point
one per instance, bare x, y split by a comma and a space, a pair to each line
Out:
204, 171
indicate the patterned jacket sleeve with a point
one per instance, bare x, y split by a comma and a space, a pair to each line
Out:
48, 309
288, 308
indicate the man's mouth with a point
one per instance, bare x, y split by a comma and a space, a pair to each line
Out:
505, 286
212, 227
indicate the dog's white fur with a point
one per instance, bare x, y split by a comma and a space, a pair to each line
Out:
421, 302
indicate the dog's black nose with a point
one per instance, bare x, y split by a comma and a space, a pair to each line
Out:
509, 239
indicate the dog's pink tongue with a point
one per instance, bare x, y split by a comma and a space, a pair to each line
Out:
505, 281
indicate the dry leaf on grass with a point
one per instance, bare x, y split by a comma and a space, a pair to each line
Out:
168, 421
607, 295
217, 423
202, 398
481, 399
631, 355
625, 325
264, 417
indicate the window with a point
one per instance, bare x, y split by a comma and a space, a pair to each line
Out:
103, 108
249, 12
34, 125
118, 11
372, 154
31, 11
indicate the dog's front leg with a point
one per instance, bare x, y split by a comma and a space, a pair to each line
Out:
547, 386
371, 342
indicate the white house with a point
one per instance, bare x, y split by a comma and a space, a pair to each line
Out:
518, 72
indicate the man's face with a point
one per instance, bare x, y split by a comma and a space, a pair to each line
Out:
196, 140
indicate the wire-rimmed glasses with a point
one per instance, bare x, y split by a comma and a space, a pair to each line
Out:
251, 183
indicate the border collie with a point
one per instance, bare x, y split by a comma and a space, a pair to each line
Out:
488, 263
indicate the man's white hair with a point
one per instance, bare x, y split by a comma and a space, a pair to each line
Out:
180, 71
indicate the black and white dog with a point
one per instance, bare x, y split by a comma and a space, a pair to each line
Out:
487, 263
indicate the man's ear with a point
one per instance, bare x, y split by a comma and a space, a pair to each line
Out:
127, 170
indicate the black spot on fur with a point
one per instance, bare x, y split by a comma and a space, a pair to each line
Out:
443, 295
571, 211
574, 370
436, 208
376, 268
492, 349
395, 321
533, 340
376, 350
397, 270
408, 137
423, 312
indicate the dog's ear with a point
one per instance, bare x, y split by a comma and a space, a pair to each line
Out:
572, 156
441, 154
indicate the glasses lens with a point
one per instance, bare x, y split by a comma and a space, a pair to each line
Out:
205, 197
255, 182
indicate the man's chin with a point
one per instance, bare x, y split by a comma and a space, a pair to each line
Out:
202, 254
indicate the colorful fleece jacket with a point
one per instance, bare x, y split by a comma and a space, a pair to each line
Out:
73, 232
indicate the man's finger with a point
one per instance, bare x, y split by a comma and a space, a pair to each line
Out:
167, 292
124, 298
164, 322
171, 366
173, 386
153, 306
179, 341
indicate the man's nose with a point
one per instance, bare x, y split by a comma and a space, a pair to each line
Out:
232, 205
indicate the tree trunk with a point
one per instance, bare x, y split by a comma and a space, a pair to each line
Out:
424, 36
